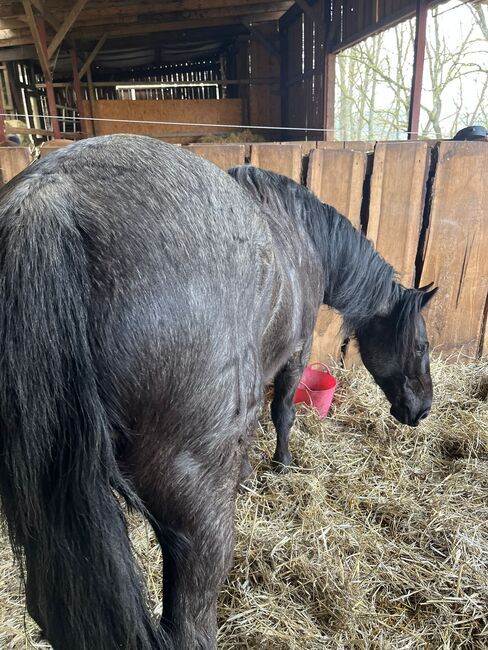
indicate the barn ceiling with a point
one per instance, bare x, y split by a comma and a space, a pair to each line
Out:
89, 20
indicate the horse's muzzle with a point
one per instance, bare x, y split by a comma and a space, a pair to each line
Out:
405, 416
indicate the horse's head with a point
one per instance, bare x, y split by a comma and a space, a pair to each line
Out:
395, 350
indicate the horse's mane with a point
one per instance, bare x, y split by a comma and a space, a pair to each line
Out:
359, 283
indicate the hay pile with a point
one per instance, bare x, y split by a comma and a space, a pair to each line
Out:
379, 541
232, 137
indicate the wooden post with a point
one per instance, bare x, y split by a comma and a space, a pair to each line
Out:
91, 98
329, 95
418, 69
51, 100
77, 89
3, 134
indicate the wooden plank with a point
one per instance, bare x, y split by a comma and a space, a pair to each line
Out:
360, 145
329, 96
40, 49
66, 25
283, 159
77, 89
396, 207
456, 256
336, 176
12, 161
330, 144
26, 131
191, 111
264, 101
52, 145
222, 155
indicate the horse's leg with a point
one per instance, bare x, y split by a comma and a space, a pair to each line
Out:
32, 593
190, 498
282, 407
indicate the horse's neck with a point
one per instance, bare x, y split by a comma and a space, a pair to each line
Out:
359, 284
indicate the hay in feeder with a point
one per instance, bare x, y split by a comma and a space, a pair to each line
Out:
232, 137
377, 541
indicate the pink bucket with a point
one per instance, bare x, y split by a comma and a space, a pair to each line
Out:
316, 388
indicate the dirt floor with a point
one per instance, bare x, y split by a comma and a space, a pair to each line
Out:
377, 541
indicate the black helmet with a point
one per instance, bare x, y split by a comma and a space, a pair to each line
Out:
476, 132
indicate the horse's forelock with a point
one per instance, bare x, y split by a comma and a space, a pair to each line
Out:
406, 312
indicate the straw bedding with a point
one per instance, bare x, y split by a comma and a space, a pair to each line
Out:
378, 540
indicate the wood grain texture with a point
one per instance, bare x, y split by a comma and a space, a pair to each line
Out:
222, 155
456, 256
283, 159
336, 176
12, 161
264, 99
398, 188
189, 112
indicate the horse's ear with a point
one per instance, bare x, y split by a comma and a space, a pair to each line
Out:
427, 296
427, 287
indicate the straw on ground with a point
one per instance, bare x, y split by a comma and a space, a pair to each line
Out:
377, 541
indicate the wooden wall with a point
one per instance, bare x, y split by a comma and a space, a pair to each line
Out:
425, 205
264, 96
199, 111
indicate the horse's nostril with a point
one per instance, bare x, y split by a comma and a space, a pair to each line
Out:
424, 414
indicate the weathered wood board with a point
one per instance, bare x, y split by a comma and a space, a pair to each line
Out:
222, 155
336, 176
283, 159
12, 161
179, 117
53, 145
397, 197
456, 256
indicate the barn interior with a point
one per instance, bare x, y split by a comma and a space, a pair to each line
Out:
259, 64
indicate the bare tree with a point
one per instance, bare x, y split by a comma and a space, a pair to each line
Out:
374, 79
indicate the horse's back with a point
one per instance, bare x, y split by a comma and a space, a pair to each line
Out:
180, 263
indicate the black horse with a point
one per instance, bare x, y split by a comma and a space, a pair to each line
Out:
146, 299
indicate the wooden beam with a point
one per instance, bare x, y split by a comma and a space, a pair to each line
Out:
147, 28
34, 29
329, 95
265, 42
39, 5
418, 69
3, 132
65, 27
91, 100
92, 55
51, 99
311, 12
169, 14
25, 131
77, 89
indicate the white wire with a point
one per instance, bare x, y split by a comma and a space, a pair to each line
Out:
200, 124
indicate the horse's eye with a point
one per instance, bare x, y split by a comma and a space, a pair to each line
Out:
421, 349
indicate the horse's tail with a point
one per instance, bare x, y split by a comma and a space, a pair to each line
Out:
57, 464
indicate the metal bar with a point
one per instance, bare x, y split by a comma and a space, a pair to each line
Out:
77, 89
418, 69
